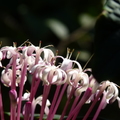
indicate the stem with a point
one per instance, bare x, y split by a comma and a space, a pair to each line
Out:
45, 95
59, 100
13, 84
103, 101
76, 110
13, 87
27, 111
53, 102
13, 112
1, 105
74, 104
95, 100
23, 73
67, 103
32, 96
35, 85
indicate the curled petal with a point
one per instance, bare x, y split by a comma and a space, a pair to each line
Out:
78, 64
48, 55
44, 75
84, 79
66, 64
59, 77
36, 67
26, 96
115, 93
91, 98
80, 90
111, 91
118, 99
6, 77
77, 78
38, 101
72, 75
93, 84
52, 75
1, 55
84, 84
0, 64
30, 62
9, 51
28, 51
69, 88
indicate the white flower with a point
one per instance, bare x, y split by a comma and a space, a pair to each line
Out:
1, 57
84, 84
26, 96
8, 52
6, 77
52, 75
111, 92
38, 101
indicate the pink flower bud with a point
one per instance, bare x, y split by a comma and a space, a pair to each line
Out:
13, 97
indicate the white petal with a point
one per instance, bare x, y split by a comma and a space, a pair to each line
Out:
48, 55
6, 77
118, 99
1, 55
26, 96
66, 64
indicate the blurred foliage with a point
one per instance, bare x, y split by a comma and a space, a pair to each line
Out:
106, 63
62, 23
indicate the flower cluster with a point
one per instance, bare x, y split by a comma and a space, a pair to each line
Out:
41, 64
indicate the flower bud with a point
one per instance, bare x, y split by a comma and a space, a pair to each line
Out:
13, 97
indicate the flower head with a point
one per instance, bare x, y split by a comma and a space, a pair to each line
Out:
40, 64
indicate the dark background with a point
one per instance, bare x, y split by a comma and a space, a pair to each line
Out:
62, 23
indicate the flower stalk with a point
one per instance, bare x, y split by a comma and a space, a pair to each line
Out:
45, 95
23, 74
1, 106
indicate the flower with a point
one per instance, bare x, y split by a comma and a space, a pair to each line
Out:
110, 94
31, 106
38, 101
67, 78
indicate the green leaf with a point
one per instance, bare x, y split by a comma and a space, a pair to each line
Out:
58, 28
56, 116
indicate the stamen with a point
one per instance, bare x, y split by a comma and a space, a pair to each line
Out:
56, 53
14, 44
71, 53
77, 56
40, 43
49, 46
117, 85
27, 41
88, 61
3, 67
68, 52
27, 91
76, 59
